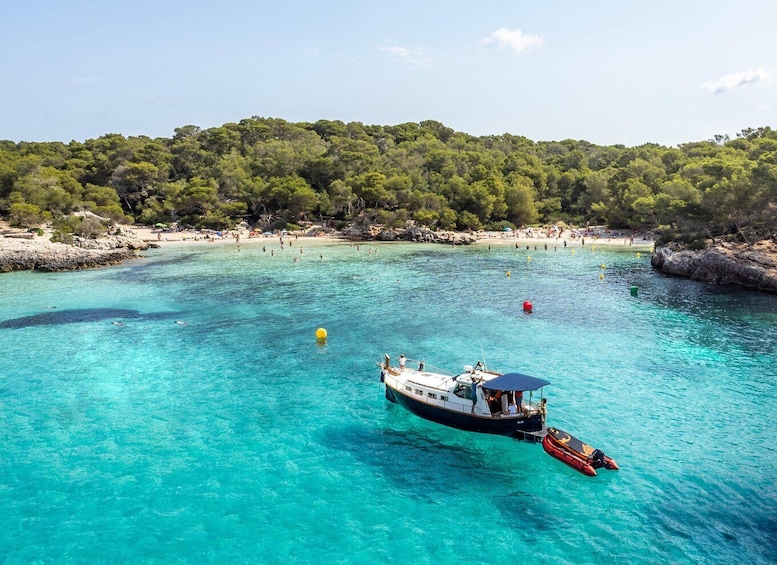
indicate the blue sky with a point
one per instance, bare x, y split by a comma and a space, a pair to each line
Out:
607, 72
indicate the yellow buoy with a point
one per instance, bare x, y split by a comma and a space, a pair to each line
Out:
593, 248
573, 252
601, 276
638, 255
604, 266
528, 257
508, 273
321, 333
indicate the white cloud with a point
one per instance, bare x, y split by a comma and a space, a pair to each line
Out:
513, 39
739, 80
413, 57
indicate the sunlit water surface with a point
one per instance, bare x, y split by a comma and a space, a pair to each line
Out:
178, 408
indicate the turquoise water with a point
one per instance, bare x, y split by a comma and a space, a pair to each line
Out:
234, 437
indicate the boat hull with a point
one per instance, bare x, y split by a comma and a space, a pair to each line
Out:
517, 427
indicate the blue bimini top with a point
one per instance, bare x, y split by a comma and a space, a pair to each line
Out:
515, 381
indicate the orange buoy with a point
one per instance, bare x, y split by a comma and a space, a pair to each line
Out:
527, 307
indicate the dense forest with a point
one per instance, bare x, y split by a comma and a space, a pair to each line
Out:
273, 173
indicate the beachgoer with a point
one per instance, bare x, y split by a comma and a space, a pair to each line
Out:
519, 400
402, 360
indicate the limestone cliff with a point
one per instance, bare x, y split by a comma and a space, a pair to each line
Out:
752, 266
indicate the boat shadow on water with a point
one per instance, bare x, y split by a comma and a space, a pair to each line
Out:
426, 468
410, 458
405, 456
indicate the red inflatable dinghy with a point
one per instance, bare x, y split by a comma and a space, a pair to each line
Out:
573, 452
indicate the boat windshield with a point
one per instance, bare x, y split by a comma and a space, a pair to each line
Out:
463, 391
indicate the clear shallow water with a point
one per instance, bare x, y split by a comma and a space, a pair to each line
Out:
236, 438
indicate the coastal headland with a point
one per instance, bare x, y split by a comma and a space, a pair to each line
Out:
751, 266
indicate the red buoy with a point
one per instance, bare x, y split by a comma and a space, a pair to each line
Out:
527, 307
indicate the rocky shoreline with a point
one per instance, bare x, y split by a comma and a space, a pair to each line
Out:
20, 254
750, 266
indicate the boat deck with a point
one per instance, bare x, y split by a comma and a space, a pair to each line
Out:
426, 379
534, 437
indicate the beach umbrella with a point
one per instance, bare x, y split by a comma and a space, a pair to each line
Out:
160, 225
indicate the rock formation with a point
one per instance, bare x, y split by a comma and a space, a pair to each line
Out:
17, 253
752, 266
380, 233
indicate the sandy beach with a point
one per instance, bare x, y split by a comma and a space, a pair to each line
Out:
22, 250
536, 240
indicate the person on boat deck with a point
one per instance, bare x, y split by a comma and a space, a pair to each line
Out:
402, 363
511, 409
519, 400
495, 401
